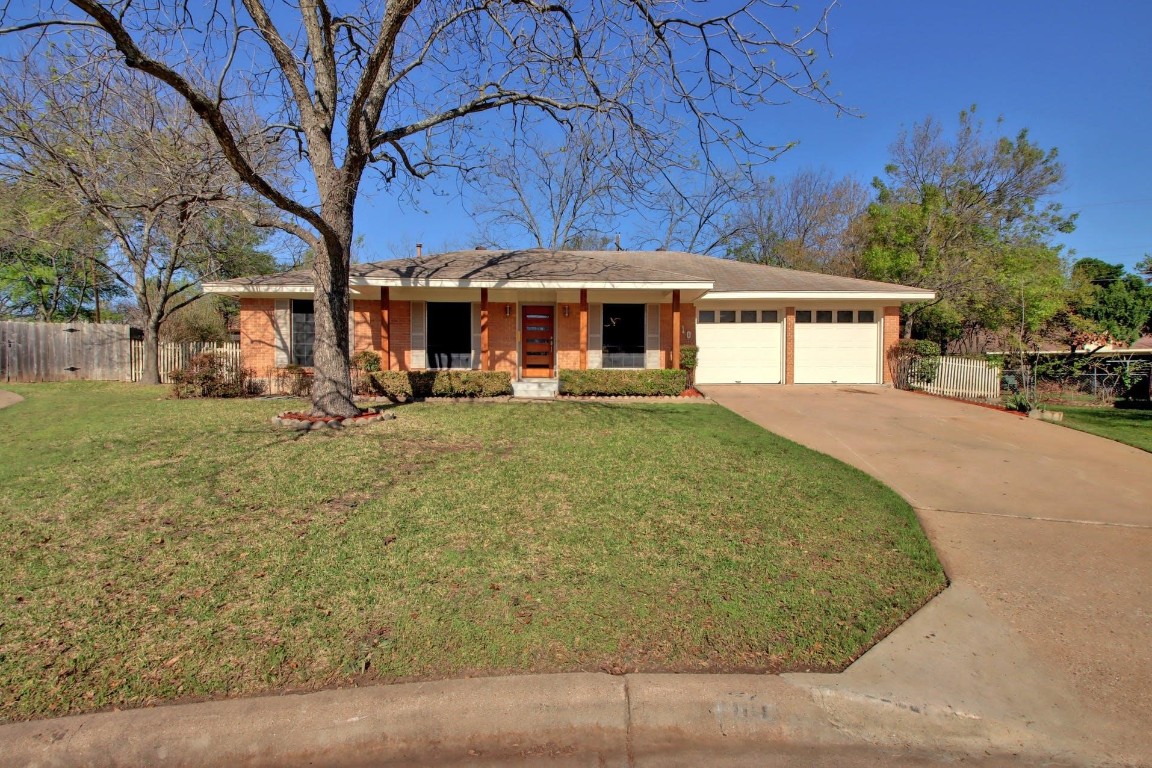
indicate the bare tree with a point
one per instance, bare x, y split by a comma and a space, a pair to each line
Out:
553, 193
693, 210
801, 222
400, 85
142, 166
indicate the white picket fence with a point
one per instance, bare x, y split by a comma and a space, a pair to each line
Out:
962, 378
174, 355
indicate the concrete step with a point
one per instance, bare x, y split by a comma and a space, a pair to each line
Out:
541, 388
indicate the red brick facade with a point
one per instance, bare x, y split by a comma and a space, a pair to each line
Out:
891, 337
568, 336
257, 334
687, 330
366, 326
789, 345
502, 344
399, 335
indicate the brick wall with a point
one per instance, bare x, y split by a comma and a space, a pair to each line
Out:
257, 334
790, 345
891, 337
568, 336
687, 330
366, 325
502, 337
400, 336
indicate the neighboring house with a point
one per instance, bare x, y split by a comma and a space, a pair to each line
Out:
533, 312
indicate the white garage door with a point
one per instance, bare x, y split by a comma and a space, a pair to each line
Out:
745, 353
837, 353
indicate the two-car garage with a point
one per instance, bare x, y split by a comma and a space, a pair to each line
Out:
747, 345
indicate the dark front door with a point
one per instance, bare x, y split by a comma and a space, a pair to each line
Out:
537, 329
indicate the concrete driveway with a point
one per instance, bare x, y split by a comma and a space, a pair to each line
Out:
1050, 528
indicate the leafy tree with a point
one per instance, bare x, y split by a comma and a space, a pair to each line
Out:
1117, 303
143, 169
401, 87
959, 215
48, 258
1144, 267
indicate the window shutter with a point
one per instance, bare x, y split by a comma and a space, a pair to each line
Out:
476, 342
281, 332
419, 335
652, 338
595, 335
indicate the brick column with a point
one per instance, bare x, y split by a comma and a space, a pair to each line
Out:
485, 363
676, 330
790, 345
385, 330
891, 338
583, 329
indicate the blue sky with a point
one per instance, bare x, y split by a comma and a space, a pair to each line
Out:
1077, 75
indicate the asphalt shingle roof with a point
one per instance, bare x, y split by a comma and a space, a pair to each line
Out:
589, 266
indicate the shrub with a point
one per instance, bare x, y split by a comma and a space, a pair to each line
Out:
689, 357
293, 380
406, 385
914, 362
209, 375
366, 360
612, 381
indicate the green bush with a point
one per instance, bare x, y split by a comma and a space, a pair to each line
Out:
367, 361
689, 354
915, 362
612, 381
406, 385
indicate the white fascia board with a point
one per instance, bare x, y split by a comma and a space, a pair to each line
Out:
233, 289
818, 296
532, 284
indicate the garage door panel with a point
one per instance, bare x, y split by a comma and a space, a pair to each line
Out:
730, 353
837, 353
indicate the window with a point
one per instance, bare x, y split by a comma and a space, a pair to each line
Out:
303, 331
803, 315
707, 315
823, 315
449, 334
727, 315
845, 315
747, 315
623, 336
866, 316
770, 316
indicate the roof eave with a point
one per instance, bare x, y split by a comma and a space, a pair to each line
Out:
819, 295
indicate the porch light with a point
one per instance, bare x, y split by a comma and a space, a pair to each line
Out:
566, 310
507, 310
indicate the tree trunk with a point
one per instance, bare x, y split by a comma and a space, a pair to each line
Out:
150, 364
332, 376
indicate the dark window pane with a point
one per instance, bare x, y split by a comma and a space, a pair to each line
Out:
449, 334
727, 315
303, 331
770, 316
823, 315
803, 315
707, 316
844, 315
747, 315
623, 336
866, 316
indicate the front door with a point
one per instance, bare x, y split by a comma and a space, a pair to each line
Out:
537, 329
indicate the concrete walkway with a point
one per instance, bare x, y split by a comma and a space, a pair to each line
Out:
1036, 655
1046, 533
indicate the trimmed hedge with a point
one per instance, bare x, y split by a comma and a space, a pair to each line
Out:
612, 381
406, 385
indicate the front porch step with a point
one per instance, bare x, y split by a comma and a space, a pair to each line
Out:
539, 388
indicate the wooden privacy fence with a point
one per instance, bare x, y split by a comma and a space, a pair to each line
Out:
65, 351
958, 377
174, 355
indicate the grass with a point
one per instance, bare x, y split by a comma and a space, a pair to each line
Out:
155, 549
1132, 426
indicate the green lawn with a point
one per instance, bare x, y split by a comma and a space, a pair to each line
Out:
155, 549
1126, 425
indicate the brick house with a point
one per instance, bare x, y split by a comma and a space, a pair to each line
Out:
534, 312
